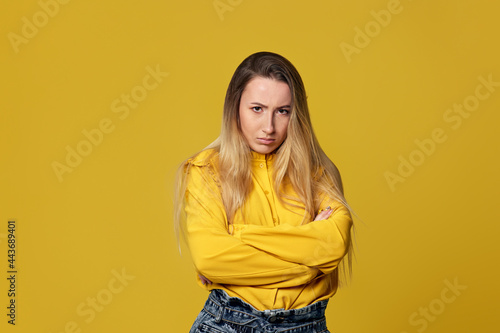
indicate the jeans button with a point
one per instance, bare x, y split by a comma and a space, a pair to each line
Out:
272, 319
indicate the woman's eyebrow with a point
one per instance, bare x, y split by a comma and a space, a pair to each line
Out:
263, 105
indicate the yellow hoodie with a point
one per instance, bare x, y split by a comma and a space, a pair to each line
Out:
266, 257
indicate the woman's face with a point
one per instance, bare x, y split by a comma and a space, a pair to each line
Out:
265, 108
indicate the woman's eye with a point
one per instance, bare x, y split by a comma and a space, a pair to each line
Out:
283, 111
257, 108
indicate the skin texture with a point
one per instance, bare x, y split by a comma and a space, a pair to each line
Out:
264, 112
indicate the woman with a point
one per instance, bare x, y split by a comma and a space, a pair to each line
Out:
263, 210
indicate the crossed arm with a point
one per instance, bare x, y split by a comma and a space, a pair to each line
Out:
278, 257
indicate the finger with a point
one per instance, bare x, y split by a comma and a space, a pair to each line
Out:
204, 280
324, 214
320, 216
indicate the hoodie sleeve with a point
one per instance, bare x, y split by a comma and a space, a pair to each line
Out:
321, 244
219, 256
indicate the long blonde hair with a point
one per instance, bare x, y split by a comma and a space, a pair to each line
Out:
299, 161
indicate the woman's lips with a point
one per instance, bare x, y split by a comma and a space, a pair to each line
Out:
265, 141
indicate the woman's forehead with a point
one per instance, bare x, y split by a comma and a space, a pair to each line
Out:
267, 91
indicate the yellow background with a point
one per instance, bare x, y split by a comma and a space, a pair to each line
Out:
113, 211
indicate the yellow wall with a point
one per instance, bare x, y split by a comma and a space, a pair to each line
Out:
400, 100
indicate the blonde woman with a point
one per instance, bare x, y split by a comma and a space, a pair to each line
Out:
262, 209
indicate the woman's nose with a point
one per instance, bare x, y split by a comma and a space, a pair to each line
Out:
268, 126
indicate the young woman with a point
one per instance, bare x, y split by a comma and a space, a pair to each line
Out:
262, 209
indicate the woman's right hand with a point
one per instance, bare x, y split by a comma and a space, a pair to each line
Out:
204, 280
324, 214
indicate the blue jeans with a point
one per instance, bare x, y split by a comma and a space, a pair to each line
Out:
224, 314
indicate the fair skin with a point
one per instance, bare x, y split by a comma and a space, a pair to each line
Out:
264, 112
265, 107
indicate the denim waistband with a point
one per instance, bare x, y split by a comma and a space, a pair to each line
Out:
223, 307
